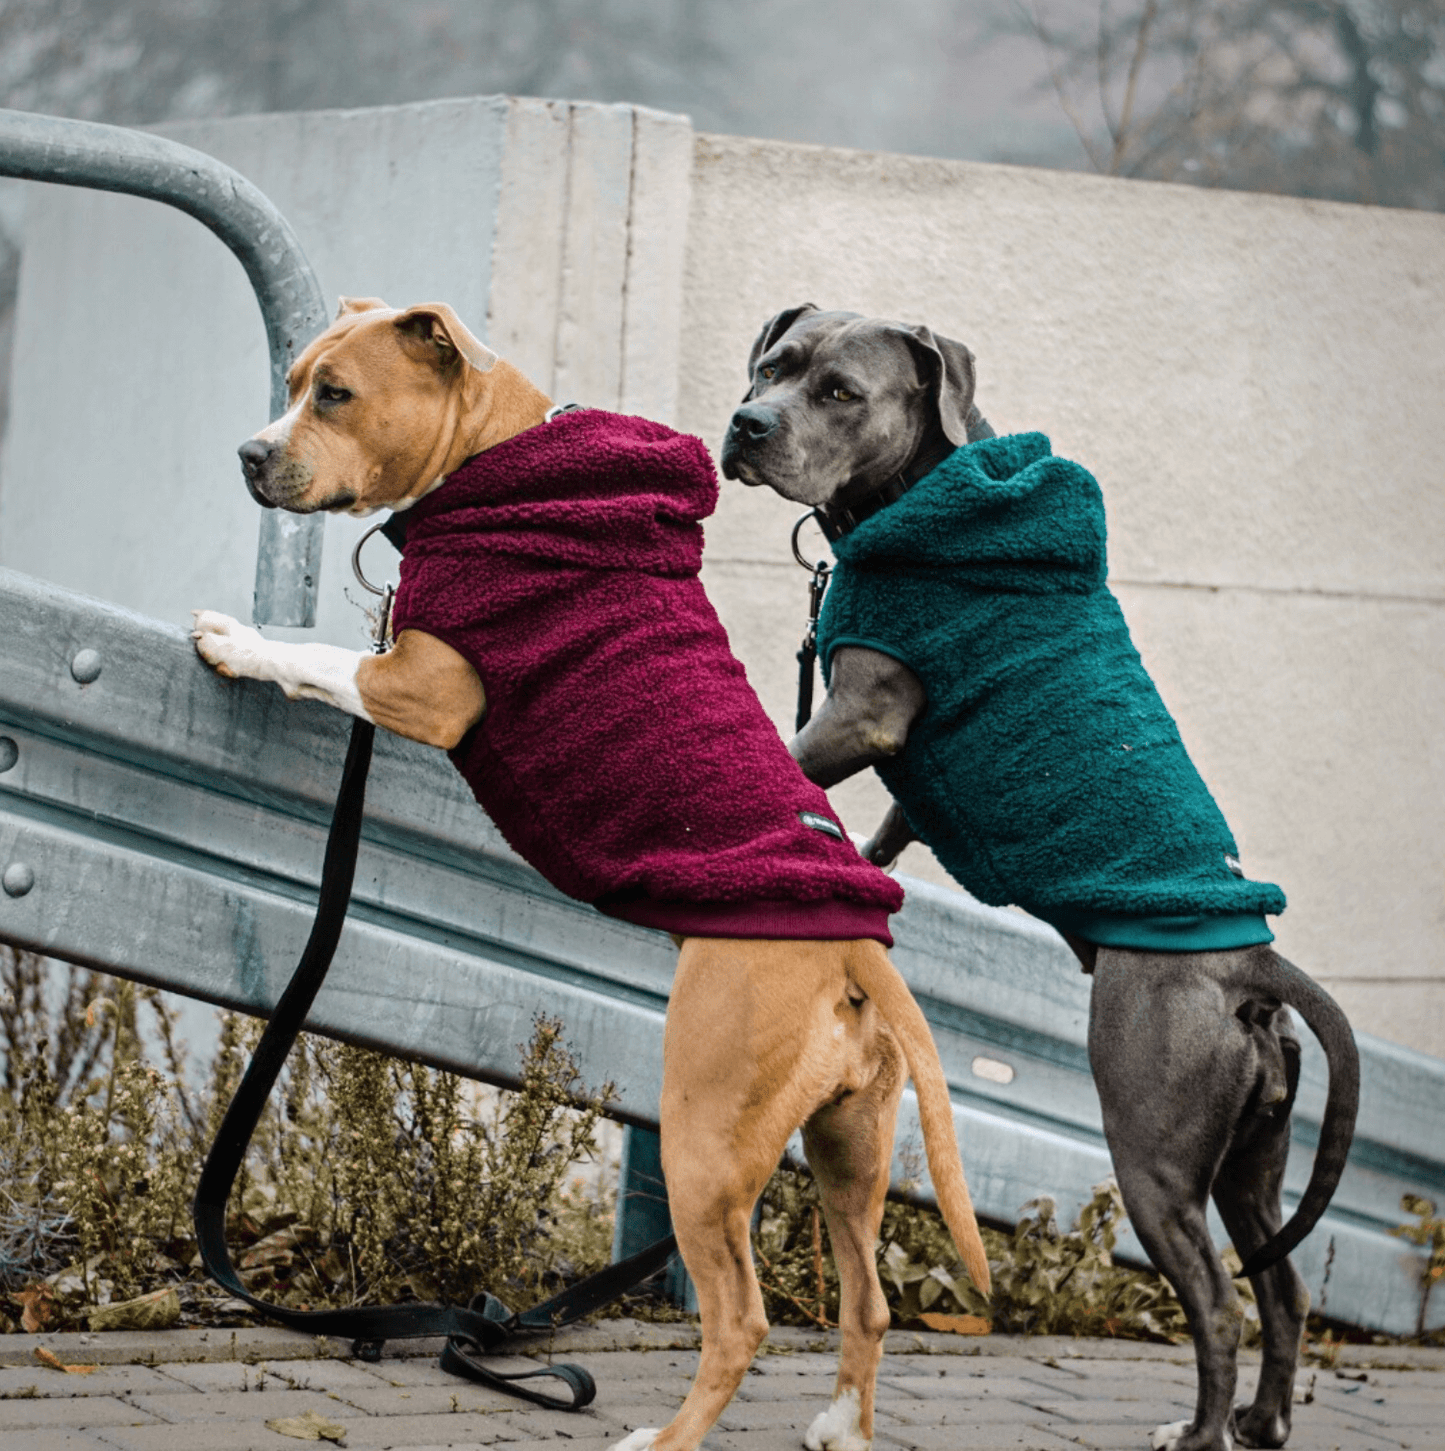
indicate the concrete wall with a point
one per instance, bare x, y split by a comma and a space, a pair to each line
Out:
1254, 380
143, 357
1258, 384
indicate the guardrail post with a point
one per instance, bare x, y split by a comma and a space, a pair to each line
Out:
642, 1213
113, 158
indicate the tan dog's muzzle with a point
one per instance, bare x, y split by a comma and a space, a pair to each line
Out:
255, 462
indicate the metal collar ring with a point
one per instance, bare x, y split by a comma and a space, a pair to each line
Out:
797, 553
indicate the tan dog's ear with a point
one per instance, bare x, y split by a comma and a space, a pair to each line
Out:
773, 329
345, 306
437, 326
949, 368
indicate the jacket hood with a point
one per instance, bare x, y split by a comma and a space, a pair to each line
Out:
1002, 513
589, 489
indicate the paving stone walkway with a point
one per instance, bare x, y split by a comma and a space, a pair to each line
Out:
216, 1390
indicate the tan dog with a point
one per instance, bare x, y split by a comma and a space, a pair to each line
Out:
761, 1035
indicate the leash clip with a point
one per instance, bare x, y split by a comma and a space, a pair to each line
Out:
808, 650
381, 618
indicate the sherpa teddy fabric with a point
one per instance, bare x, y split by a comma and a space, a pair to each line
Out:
1045, 771
623, 752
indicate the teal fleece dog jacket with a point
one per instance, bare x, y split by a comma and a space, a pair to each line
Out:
1044, 770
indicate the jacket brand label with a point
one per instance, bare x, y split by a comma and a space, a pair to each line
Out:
821, 823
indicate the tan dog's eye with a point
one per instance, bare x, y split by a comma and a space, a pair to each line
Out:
330, 394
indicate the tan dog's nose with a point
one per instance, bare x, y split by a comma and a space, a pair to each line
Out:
255, 456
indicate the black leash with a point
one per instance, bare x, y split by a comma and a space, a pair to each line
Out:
808, 650
483, 1327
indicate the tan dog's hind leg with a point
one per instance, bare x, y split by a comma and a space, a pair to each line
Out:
850, 1150
759, 1034
762, 1037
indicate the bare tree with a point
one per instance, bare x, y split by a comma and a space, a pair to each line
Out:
1329, 98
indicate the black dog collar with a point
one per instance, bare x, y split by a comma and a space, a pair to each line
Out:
835, 521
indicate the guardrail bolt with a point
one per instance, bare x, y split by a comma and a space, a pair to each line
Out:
18, 879
9, 753
85, 666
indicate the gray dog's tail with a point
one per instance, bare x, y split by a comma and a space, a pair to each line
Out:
1297, 990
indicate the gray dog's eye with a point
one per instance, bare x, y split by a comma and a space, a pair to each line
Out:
768, 371
842, 395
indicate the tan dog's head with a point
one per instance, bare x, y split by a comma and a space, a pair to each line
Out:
384, 404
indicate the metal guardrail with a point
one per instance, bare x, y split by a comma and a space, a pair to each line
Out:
160, 823
112, 158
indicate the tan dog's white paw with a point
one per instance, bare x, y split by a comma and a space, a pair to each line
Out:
640, 1440
837, 1428
231, 648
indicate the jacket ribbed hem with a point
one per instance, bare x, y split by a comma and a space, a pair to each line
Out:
825, 921
1163, 934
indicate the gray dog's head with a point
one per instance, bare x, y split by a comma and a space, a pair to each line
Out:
841, 403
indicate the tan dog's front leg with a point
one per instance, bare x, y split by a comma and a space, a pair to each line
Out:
421, 689
304, 672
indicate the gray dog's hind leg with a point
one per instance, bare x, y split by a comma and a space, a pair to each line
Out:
1175, 1069
1247, 1193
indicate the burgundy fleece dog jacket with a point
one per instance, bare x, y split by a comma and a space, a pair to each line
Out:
622, 751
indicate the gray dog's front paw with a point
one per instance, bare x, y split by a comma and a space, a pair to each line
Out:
868, 850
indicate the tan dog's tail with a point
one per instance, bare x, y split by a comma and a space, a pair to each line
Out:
870, 968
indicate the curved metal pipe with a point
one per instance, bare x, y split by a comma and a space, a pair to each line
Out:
114, 158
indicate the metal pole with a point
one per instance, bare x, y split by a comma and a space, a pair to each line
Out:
112, 158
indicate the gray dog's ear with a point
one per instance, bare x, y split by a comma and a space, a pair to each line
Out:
773, 329
949, 367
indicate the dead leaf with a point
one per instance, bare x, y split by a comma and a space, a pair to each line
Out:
36, 1306
313, 1426
278, 1248
958, 1324
157, 1311
50, 1358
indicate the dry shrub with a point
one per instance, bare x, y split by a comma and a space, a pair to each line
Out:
1045, 1282
1428, 1234
369, 1179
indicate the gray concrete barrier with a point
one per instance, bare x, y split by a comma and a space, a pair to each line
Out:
161, 823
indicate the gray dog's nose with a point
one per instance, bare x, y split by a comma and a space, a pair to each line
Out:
752, 421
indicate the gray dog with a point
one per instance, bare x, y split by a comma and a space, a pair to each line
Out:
974, 655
